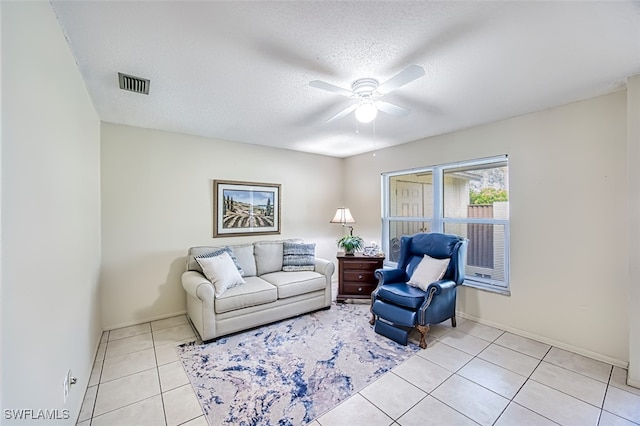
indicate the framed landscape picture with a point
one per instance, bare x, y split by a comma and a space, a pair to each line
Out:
245, 208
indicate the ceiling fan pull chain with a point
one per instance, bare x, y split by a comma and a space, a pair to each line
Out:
374, 138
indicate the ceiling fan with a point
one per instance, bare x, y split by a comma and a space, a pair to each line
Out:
367, 91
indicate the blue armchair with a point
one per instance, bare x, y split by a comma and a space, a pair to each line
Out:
397, 307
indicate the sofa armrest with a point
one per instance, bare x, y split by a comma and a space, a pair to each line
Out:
197, 285
325, 267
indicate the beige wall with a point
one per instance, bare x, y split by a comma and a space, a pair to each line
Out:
1, 138
50, 216
569, 264
157, 202
633, 131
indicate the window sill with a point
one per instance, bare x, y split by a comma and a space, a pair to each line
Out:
487, 287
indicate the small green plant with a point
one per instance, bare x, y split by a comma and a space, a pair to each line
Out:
487, 196
351, 243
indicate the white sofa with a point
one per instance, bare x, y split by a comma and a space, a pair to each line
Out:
269, 294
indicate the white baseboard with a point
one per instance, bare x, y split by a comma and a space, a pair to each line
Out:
633, 383
142, 321
548, 341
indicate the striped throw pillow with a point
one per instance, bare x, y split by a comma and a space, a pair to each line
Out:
298, 257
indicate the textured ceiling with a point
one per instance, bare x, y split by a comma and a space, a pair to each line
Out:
240, 71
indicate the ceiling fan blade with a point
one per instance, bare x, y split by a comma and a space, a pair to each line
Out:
392, 109
413, 72
319, 84
343, 113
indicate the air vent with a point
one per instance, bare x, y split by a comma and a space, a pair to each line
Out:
134, 84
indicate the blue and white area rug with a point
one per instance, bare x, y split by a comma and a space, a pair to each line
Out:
290, 372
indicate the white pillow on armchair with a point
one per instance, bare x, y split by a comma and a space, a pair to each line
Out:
428, 271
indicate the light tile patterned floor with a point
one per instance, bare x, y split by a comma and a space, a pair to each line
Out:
470, 375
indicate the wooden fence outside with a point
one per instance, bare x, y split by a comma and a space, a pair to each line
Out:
480, 250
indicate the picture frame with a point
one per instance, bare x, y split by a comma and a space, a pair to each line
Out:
245, 208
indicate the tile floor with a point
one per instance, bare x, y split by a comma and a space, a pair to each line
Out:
470, 375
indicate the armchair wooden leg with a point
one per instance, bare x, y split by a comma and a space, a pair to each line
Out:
423, 329
453, 321
373, 319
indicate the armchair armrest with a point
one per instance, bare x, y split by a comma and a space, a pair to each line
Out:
197, 285
387, 276
440, 286
439, 303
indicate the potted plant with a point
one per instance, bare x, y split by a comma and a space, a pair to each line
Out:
350, 244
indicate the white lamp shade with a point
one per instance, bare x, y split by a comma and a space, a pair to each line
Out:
366, 112
343, 215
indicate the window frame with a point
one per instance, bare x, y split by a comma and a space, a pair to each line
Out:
437, 221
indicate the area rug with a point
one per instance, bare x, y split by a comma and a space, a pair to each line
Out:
290, 372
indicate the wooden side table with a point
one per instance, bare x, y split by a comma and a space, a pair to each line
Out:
355, 276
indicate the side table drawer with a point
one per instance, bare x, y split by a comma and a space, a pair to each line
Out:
363, 289
362, 265
358, 276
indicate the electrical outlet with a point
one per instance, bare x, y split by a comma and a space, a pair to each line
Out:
66, 385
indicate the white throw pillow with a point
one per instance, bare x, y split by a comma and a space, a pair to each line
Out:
221, 271
429, 270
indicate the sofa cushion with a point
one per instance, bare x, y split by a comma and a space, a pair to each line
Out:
294, 283
298, 256
246, 260
221, 271
242, 252
194, 252
268, 256
402, 294
255, 291
218, 252
192, 264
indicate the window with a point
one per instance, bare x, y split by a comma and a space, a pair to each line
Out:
470, 199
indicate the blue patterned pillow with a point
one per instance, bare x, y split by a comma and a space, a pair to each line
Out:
225, 249
298, 257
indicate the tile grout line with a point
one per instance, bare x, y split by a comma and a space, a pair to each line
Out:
100, 382
527, 378
451, 375
569, 395
577, 372
162, 392
104, 356
123, 406
604, 397
405, 380
97, 385
511, 400
395, 421
179, 361
155, 356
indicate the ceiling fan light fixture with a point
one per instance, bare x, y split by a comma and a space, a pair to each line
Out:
366, 112
365, 90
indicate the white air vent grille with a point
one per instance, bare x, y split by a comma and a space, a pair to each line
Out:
134, 84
